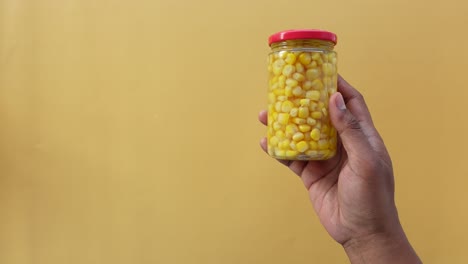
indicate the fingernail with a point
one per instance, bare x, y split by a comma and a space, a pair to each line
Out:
340, 102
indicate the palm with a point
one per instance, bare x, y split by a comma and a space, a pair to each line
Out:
323, 180
339, 191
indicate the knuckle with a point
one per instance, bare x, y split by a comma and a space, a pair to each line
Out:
353, 124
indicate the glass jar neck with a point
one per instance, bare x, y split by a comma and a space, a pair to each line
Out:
300, 44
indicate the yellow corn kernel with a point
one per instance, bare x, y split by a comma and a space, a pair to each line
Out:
332, 132
288, 70
271, 108
323, 144
291, 82
311, 121
324, 111
282, 81
273, 141
282, 98
280, 135
299, 67
304, 102
271, 98
280, 153
305, 58
282, 54
270, 120
333, 61
315, 134
298, 77
325, 57
274, 86
278, 106
303, 112
312, 65
291, 153
323, 136
298, 136
316, 57
302, 146
327, 69
321, 105
286, 106
299, 121
312, 153
316, 115
326, 153
319, 62
293, 112
324, 98
271, 132
273, 80
313, 95
333, 88
284, 144
304, 128
288, 91
318, 125
297, 91
275, 115
279, 92
278, 66
270, 151
317, 84
292, 145
313, 145
313, 106
283, 118
325, 129
307, 85
312, 74
327, 82
277, 126
290, 58
291, 129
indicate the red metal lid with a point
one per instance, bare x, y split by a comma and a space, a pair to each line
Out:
302, 34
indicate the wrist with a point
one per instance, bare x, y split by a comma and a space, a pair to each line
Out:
385, 247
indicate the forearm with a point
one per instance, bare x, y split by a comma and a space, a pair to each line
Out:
381, 249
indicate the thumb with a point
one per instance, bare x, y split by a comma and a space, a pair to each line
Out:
348, 127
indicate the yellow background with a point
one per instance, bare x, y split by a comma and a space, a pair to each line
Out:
129, 133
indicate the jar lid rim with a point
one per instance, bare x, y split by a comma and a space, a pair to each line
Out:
302, 34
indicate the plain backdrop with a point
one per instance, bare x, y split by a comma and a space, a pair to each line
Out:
129, 133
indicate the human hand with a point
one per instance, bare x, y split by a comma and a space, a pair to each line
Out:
353, 193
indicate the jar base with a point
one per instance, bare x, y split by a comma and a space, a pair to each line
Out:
314, 155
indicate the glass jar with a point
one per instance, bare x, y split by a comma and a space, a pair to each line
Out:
302, 76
